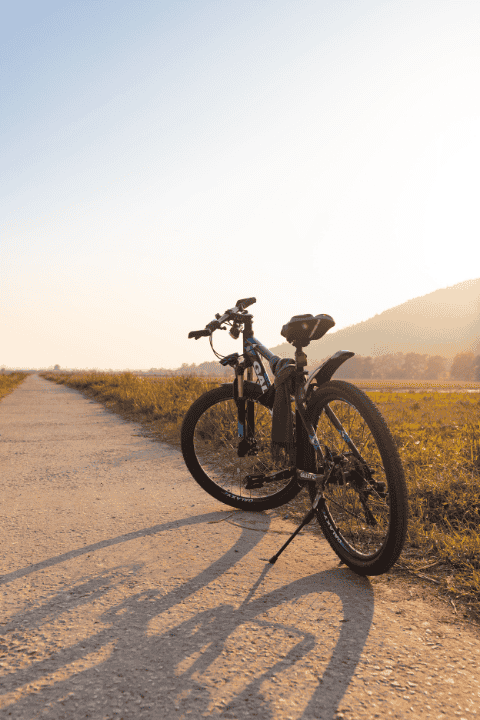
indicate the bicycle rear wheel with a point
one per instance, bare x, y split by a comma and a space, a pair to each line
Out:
209, 440
364, 517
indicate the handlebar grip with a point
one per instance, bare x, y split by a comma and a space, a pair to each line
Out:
245, 302
214, 325
199, 333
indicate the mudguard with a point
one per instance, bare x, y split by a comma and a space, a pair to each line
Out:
324, 372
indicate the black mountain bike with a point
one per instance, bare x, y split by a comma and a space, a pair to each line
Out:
255, 445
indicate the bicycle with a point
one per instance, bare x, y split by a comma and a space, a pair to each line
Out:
255, 445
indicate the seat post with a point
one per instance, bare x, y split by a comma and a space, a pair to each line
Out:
300, 358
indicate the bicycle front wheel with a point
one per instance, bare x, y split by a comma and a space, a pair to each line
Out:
364, 517
210, 442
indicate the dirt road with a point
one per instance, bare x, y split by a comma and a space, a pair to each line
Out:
127, 592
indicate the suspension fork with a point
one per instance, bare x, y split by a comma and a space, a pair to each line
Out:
250, 410
246, 412
245, 408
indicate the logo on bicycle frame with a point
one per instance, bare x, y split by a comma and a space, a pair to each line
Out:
261, 379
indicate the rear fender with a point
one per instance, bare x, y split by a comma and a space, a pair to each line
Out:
324, 372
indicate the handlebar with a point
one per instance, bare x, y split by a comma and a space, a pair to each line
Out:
215, 324
199, 333
242, 304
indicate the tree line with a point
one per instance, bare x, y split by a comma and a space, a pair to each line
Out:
396, 366
412, 366
206, 369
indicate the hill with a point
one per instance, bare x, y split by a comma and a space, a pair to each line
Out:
444, 322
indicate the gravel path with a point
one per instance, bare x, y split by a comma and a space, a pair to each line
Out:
127, 592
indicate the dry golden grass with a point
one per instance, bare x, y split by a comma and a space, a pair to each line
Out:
9, 382
438, 438
418, 385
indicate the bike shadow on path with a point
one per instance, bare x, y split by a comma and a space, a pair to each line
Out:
194, 649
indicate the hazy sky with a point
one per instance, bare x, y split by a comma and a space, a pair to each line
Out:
161, 159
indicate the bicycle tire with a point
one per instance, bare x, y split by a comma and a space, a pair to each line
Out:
365, 514
209, 442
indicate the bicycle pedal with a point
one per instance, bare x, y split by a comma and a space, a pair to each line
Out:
254, 481
259, 480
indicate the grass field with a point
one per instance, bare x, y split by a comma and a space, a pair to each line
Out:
438, 438
418, 385
9, 382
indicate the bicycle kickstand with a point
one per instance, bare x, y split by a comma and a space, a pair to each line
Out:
308, 518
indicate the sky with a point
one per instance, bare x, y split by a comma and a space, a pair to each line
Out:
162, 159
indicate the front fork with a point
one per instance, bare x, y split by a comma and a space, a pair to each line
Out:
246, 413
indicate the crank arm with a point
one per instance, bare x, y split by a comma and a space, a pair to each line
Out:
309, 477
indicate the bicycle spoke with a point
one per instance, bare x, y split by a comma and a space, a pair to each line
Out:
361, 515
216, 446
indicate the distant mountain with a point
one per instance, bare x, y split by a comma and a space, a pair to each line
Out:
444, 322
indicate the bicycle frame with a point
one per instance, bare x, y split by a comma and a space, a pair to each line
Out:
253, 351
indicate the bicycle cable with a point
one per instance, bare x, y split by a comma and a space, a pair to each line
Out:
220, 357
231, 324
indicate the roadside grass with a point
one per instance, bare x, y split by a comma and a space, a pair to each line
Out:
417, 385
438, 438
9, 382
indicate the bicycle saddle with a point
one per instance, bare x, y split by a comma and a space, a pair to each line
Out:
301, 329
